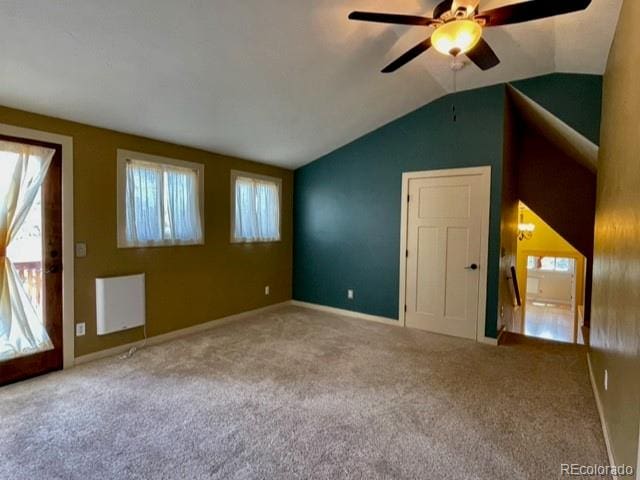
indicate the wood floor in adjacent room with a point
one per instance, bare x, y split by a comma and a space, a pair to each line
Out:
551, 322
295, 393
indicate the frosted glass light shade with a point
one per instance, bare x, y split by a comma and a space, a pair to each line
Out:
456, 37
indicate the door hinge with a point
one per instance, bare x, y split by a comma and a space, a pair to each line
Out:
406, 253
405, 309
408, 198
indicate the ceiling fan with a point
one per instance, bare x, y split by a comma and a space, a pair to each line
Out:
459, 23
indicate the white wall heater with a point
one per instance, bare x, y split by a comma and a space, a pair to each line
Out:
120, 303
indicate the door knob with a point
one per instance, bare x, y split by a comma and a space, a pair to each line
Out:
473, 266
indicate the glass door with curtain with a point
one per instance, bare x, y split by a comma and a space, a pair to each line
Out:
30, 258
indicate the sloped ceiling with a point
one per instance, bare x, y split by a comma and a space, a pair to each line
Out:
560, 134
278, 81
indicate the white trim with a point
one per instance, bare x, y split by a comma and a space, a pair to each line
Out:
347, 313
68, 329
638, 461
485, 174
605, 431
183, 332
492, 341
122, 157
234, 174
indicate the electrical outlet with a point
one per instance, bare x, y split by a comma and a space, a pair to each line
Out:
606, 379
81, 249
350, 294
267, 290
80, 329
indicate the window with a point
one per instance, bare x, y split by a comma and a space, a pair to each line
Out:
550, 264
547, 263
255, 208
564, 264
160, 201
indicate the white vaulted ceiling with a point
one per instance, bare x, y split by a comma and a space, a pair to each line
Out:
277, 81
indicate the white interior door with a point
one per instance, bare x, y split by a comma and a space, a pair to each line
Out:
444, 254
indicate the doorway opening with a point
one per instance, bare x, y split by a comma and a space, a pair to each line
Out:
552, 273
31, 253
550, 310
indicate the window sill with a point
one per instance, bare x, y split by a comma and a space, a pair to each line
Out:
161, 245
250, 242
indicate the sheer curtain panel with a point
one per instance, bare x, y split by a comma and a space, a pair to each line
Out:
23, 169
162, 204
183, 211
257, 210
144, 203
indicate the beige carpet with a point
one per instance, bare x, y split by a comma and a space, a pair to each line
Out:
300, 394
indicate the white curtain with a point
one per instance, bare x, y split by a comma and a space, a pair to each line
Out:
257, 215
144, 203
162, 204
182, 205
23, 169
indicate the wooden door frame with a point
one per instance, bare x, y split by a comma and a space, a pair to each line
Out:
485, 175
66, 142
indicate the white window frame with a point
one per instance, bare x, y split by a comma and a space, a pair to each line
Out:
255, 176
122, 157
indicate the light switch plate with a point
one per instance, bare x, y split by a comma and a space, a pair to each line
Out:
350, 294
81, 249
267, 290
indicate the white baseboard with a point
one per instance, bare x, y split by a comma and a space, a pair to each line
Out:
605, 430
366, 316
492, 341
183, 332
165, 337
347, 313
489, 341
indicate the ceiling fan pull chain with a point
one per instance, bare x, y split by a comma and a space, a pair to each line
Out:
455, 89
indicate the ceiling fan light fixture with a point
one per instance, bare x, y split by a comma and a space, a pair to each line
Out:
456, 37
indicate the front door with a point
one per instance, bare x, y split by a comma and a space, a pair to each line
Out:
30, 258
444, 241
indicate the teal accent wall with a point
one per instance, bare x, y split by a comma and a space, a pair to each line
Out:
347, 204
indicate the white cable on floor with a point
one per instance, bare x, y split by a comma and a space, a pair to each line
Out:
132, 350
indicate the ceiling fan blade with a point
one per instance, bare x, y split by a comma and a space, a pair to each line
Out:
483, 55
390, 18
531, 10
442, 7
408, 56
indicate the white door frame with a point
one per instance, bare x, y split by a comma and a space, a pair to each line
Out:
68, 333
485, 174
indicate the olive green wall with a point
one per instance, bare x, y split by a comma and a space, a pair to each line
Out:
185, 285
615, 319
